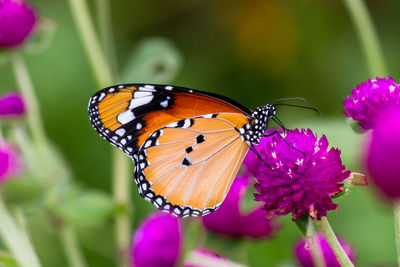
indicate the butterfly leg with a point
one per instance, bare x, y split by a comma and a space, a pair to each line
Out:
259, 157
283, 138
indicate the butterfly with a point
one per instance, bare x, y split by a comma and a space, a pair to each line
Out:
187, 145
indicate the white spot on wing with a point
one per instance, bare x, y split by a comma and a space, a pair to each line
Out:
169, 87
173, 124
147, 144
186, 124
120, 132
164, 103
137, 102
138, 94
125, 117
102, 96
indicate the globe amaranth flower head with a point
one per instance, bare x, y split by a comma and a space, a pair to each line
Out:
370, 99
157, 241
298, 182
304, 257
229, 219
17, 21
10, 165
11, 105
383, 153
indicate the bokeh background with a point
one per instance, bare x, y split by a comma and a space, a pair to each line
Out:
252, 51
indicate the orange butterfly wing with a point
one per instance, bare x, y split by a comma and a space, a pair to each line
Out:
160, 127
125, 115
187, 169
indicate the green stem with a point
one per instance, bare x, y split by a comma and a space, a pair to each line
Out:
368, 37
121, 193
396, 209
33, 115
15, 240
333, 242
107, 39
316, 252
71, 247
104, 77
97, 60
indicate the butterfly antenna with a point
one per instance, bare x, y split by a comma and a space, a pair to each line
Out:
298, 106
260, 158
289, 99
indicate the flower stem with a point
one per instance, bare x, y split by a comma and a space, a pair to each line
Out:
107, 39
121, 193
396, 209
333, 242
97, 60
15, 240
316, 252
368, 37
104, 77
33, 115
71, 246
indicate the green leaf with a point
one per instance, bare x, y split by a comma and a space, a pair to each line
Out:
7, 260
355, 126
302, 224
154, 60
193, 233
22, 191
88, 208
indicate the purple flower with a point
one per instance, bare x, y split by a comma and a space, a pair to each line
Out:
17, 21
11, 104
383, 153
229, 220
157, 241
299, 182
304, 256
10, 164
370, 99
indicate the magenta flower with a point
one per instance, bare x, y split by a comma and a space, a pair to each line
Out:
299, 183
17, 21
231, 221
370, 99
304, 256
11, 104
157, 241
383, 153
10, 165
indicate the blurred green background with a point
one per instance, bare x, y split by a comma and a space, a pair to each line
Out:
252, 51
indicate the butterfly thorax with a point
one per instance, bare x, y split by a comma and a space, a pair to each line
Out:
255, 129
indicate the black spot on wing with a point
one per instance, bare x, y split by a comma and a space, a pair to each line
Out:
186, 162
200, 139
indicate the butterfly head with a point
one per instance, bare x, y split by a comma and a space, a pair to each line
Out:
254, 130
